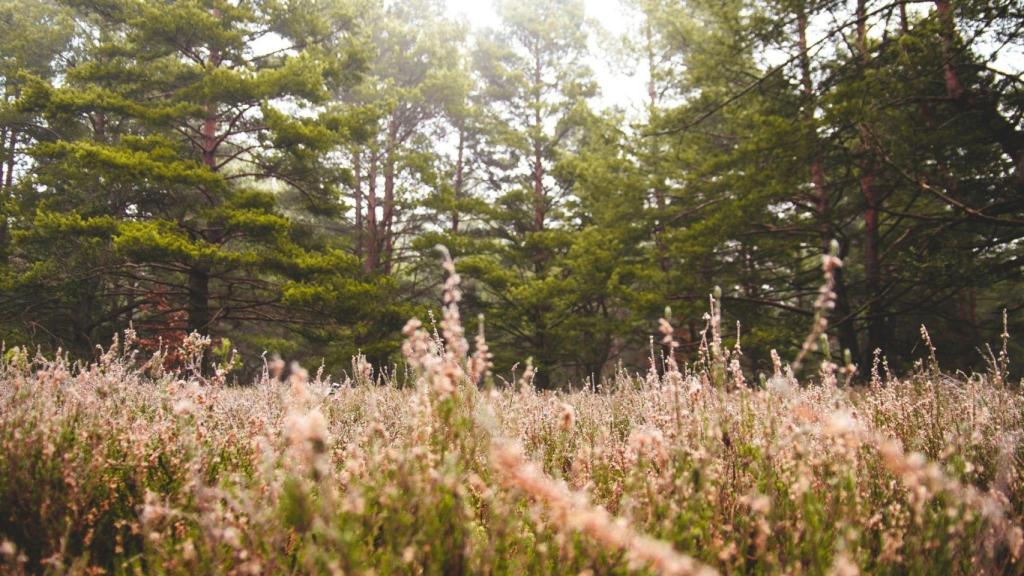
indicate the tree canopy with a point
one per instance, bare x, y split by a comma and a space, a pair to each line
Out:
278, 174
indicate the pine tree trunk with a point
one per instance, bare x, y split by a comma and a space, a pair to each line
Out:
3, 157
541, 347
847, 334
872, 207
872, 267
6, 182
664, 263
199, 274
388, 212
12, 151
659, 188
372, 259
99, 126
208, 138
952, 79
1004, 132
208, 131
544, 361
458, 180
199, 300
538, 189
357, 170
538, 161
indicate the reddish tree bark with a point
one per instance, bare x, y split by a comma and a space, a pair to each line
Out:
6, 181
872, 207
1010, 140
199, 273
388, 209
372, 256
459, 167
538, 161
847, 334
357, 170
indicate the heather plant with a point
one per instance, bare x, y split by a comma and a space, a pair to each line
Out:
112, 467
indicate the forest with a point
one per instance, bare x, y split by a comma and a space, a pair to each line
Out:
277, 175
542, 287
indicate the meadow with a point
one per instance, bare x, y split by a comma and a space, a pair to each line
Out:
120, 466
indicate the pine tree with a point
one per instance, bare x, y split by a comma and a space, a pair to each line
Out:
39, 33
537, 85
412, 81
175, 137
612, 292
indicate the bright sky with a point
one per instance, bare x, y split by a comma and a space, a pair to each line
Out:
481, 13
619, 87
627, 88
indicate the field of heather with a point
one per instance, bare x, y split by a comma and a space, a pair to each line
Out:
227, 348
121, 467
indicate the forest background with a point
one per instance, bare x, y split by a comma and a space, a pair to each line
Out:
277, 174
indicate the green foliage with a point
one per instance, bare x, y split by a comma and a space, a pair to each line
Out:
167, 153
280, 173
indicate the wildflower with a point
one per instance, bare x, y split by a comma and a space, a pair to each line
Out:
152, 511
480, 363
843, 566
760, 504
1015, 541
526, 380
411, 327
573, 511
694, 387
776, 364
737, 373
310, 427
183, 407
299, 376
566, 417
275, 367
231, 536
650, 443
780, 385
840, 423
188, 551
362, 370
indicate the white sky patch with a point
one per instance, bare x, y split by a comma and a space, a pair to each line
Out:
619, 86
623, 86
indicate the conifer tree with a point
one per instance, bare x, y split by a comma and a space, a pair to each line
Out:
38, 33
174, 139
411, 81
537, 84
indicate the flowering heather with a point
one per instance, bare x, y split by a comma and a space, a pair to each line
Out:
114, 468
